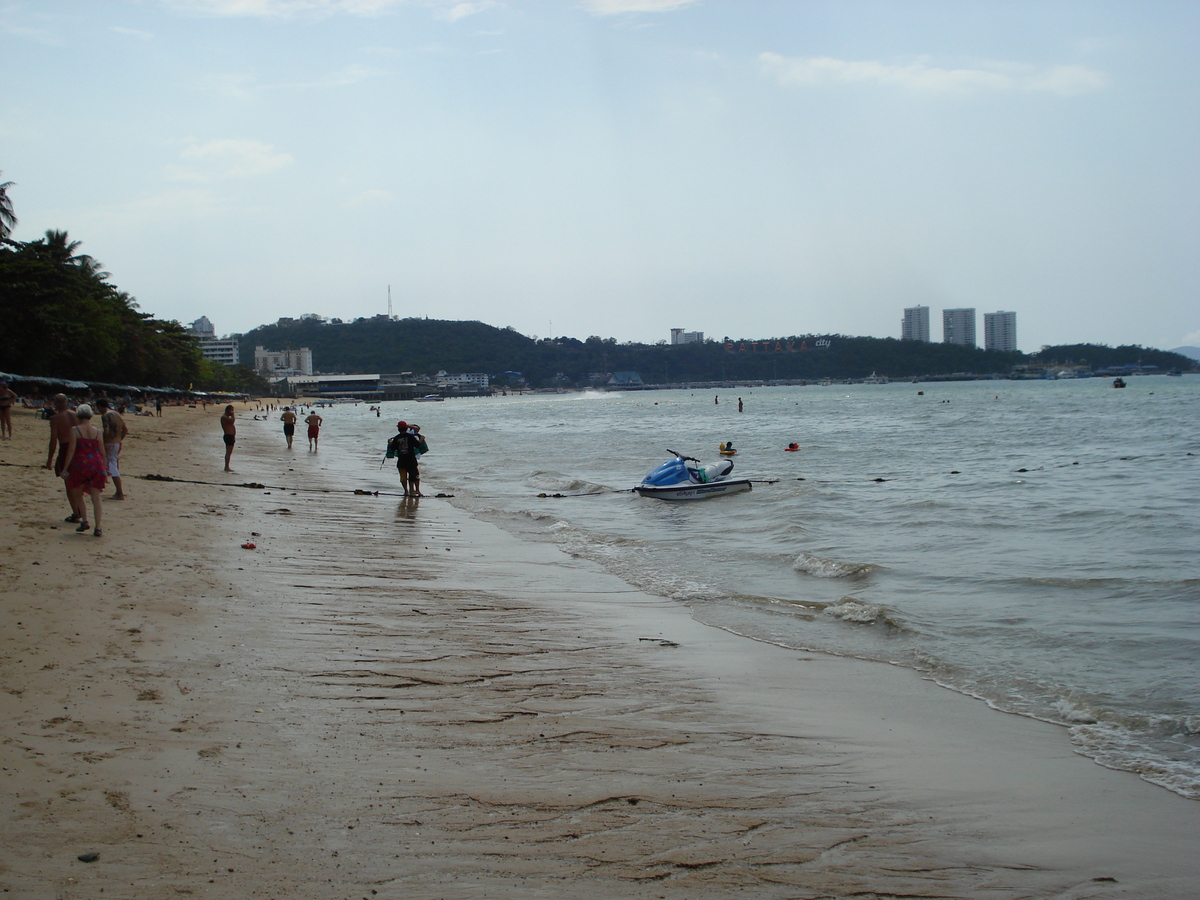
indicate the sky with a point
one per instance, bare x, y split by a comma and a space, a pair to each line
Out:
745, 168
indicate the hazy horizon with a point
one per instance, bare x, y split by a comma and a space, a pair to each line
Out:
620, 167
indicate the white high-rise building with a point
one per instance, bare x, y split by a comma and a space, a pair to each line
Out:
1000, 331
915, 325
223, 350
679, 336
958, 326
277, 363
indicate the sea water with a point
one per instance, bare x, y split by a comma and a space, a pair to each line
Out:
1035, 544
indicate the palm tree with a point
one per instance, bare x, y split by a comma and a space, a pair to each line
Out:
8, 219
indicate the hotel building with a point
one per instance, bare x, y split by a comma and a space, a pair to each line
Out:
1000, 331
958, 326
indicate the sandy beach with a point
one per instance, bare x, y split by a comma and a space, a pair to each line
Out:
386, 698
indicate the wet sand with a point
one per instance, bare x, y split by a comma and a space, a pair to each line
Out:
388, 699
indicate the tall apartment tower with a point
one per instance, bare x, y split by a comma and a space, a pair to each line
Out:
915, 325
958, 326
1000, 331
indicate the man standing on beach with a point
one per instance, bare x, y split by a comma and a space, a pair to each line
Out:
289, 424
230, 430
61, 424
314, 429
114, 428
404, 446
7, 399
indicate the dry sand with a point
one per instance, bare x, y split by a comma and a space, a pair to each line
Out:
387, 699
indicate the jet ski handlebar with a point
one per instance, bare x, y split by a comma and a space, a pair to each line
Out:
681, 456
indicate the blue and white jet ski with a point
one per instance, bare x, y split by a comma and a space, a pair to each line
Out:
676, 480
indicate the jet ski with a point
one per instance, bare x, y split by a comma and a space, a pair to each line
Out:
677, 480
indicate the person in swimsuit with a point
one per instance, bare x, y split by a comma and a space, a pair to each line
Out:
85, 467
114, 428
229, 428
61, 423
289, 424
314, 428
7, 399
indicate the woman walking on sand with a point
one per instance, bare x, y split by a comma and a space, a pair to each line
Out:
85, 467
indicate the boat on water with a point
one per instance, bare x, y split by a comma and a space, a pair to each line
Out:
875, 379
431, 398
1118, 382
676, 480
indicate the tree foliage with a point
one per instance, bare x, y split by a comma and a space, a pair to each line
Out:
62, 317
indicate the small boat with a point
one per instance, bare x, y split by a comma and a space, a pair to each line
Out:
676, 480
875, 379
431, 398
1119, 382
791, 448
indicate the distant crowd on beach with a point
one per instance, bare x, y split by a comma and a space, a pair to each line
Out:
87, 432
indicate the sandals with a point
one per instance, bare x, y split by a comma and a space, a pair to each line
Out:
97, 532
72, 518
83, 526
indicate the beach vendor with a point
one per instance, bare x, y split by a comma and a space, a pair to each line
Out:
404, 447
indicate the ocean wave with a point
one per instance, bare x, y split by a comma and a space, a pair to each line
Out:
823, 567
858, 612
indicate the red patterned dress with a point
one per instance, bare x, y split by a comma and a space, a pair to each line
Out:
88, 469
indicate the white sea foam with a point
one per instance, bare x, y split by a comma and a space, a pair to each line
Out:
822, 567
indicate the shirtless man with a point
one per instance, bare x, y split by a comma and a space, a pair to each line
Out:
7, 399
230, 430
115, 429
314, 429
61, 424
289, 424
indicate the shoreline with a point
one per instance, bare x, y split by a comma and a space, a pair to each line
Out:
391, 696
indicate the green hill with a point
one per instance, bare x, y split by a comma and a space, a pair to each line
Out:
425, 346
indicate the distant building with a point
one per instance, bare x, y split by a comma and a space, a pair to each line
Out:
1000, 331
278, 363
202, 328
958, 326
915, 326
626, 381
679, 336
475, 380
222, 350
225, 351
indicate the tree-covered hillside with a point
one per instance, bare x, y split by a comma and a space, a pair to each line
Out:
424, 346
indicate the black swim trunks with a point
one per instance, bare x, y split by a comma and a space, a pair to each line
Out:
289, 429
229, 439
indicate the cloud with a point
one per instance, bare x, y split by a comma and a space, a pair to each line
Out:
458, 11
613, 7
920, 76
280, 9
370, 197
221, 160
132, 32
